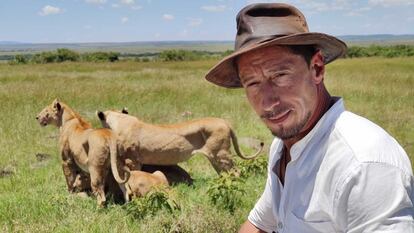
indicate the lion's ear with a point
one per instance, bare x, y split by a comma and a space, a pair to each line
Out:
100, 115
56, 104
125, 110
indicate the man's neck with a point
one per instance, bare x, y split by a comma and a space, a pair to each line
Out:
325, 101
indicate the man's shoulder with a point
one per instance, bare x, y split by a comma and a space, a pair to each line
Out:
368, 142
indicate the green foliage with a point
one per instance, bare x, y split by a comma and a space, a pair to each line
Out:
63, 55
256, 166
381, 51
189, 55
226, 191
66, 55
44, 57
101, 57
19, 59
227, 52
154, 201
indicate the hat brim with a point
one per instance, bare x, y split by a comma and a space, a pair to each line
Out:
225, 74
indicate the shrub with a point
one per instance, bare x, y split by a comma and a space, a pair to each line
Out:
101, 57
226, 192
155, 200
19, 59
381, 51
187, 55
63, 55
256, 166
44, 57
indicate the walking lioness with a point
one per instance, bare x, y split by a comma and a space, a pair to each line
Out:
142, 143
81, 147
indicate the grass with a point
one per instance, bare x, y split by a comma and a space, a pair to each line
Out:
35, 199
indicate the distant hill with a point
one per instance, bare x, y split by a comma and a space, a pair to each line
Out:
10, 48
122, 47
10, 43
377, 39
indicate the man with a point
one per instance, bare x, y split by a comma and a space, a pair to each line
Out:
329, 169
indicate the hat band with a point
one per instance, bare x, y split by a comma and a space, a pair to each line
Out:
252, 40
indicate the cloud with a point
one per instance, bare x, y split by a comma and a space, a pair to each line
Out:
358, 11
124, 20
194, 22
128, 2
388, 3
168, 17
183, 33
136, 7
115, 5
96, 1
214, 8
50, 10
87, 27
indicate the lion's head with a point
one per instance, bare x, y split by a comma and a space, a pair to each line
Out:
103, 116
51, 114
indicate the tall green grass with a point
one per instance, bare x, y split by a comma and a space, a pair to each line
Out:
35, 199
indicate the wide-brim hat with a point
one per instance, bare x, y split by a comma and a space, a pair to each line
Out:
268, 24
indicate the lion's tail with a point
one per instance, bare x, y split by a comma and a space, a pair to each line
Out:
237, 148
114, 163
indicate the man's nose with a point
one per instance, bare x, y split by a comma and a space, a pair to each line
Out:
270, 95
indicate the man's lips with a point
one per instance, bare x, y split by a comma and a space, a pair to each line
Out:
279, 118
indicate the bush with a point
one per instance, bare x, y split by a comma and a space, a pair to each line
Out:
19, 59
189, 55
63, 55
44, 57
151, 203
226, 192
101, 57
256, 166
381, 51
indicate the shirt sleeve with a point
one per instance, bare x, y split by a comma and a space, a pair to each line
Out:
376, 197
262, 214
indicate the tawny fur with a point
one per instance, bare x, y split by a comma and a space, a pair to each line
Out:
80, 147
140, 183
142, 143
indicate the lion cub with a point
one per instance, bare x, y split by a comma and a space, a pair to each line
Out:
140, 183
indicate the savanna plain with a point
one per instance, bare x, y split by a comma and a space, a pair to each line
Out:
33, 195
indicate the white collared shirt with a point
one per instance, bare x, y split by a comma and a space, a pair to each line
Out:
346, 175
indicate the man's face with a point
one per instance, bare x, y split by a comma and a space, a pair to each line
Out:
281, 87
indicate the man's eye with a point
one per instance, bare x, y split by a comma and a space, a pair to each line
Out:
277, 75
252, 84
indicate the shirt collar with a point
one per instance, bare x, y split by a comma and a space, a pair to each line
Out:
323, 126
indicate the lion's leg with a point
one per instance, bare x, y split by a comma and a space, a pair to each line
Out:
224, 161
211, 156
69, 171
98, 177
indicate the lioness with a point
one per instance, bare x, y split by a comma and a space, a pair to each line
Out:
80, 147
140, 183
142, 143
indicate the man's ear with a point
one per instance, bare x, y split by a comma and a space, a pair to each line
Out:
317, 67
100, 115
125, 110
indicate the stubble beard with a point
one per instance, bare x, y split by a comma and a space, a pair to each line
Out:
288, 133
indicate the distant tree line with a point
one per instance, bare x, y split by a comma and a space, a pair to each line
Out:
63, 55
190, 55
381, 51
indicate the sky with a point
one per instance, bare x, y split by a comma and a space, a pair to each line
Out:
72, 21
